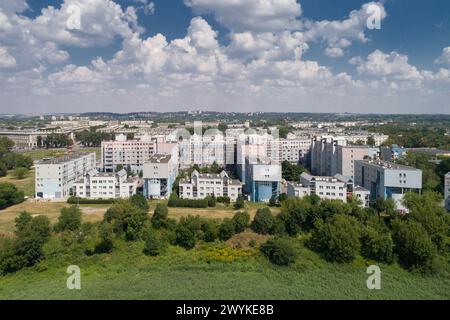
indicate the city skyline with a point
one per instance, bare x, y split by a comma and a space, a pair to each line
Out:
285, 56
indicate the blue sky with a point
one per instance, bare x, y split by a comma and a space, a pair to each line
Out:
159, 60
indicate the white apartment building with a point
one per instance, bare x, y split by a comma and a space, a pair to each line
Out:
159, 174
199, 186
133, 153
447, 191
337, 187
294, 150
97, 185
55, 177
202, 150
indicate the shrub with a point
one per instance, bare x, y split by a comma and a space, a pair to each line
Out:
3, 169
126, 218
240, 203
263, 223
241, 221
212, 202
225, 199
106, 238
413, 245
175, 202
20, 173
160, 216
138, 200
377, 245
10, 195
279, 251
226, 229
337, 238
22, 221
154, 245
69, 219
185, 237
210, 231
273, 201
76, 200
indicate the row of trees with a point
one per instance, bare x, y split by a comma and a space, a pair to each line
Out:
92, 138
10, 160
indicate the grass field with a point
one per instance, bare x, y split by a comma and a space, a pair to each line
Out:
26, 185
181, 274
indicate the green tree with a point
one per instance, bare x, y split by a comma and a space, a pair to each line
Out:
160, 216
20, 173
226, 229
3, 169
264, 221
240, 203
377, 245
22, 221
185, 237
338, 239
138, 200
413, 245
291, 172
154, 245
241, 221
106, 238
279, 251
69, 219
10, 195
6, 145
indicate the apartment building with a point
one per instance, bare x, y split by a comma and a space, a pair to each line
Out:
338, 187
56, 177
330, 156
294, 150
25, 140
199, 186
202, 150
96, 185
159, 174
387, 180
128, 153
447, 191
262, 178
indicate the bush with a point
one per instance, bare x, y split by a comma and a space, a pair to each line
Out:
154, 245
338, 239
20, 173
76, 200
279, 251
264, 221
210, 231
3, 169
160, 216
377, 245
10, 195
185, 237
240, 203
226, 229
241, 221
212, 202
413, 245
138, 200
126, 218
106, 238
22, 221
225, 200
273, 201
175, 202
69, 219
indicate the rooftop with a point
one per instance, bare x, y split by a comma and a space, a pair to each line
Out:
387, 165
160, 158
66, 158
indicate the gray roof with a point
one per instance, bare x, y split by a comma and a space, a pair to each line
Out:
160, 158
64, 159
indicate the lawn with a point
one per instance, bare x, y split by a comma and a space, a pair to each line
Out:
39, 154
50, 209
26, 184
181, 274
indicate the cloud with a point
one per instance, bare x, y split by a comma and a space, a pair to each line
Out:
251, 15
444, 58
6, 60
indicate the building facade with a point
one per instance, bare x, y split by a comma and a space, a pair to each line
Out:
97, 185
159, 175
262, 179
56, 177
127, 153
199, 186
387, 180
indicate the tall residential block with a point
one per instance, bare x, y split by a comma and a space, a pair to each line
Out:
159, 174
262, 179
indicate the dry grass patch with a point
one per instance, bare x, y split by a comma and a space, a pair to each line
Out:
246, 238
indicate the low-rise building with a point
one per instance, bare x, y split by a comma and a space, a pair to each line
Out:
159, 175
199, 186
55, 177
96, 185
330, 188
